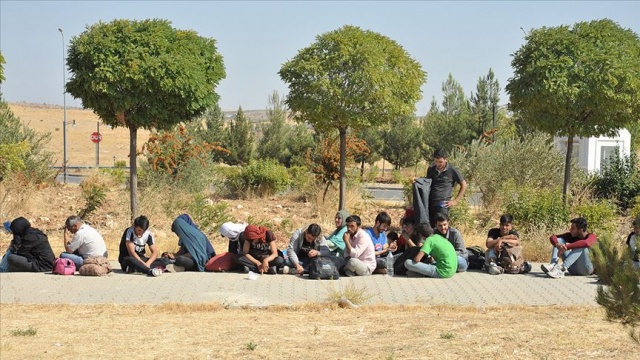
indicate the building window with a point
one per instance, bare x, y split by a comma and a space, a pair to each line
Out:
606, 154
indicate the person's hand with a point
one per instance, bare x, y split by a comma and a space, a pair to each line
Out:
313, 253
450, 203
171, 256
498, 245
413, 179
393, 247
346, 237
265, 266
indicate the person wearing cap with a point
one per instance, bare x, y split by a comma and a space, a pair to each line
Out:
259, 250
573, 247
632, 242
30, 248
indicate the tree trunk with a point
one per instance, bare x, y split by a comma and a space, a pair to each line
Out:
343, 161
567, 169
362, 170
133, 170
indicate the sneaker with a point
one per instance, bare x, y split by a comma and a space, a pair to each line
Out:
494, 269
413, 274
156, 272
292, 271
526, 267
272, 270
547, 267
173, 268
286, 270
556, 272
246, 269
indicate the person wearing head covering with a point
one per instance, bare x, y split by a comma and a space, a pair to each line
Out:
193, 253
632, 242
260, 252
210, 252
335, 240
30, 248
232, 232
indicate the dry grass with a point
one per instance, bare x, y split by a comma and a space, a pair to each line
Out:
314, 331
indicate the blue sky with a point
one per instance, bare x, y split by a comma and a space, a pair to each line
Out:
464, 38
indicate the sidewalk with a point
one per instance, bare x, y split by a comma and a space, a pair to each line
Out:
233, 289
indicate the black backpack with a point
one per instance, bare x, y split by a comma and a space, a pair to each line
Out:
476, 257
323, 268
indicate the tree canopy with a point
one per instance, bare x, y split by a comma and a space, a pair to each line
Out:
143, 74
577, 81
351, 78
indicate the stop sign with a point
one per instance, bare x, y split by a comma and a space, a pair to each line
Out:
96, 137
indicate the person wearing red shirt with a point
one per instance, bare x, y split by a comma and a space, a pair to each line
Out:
573, 247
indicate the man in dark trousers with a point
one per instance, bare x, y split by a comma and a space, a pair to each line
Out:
443, 177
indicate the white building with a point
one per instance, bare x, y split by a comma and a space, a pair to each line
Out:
591, 153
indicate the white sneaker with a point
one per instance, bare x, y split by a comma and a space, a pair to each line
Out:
156, 272
547, 267
494, 269
173, 268
555, 273
285, 269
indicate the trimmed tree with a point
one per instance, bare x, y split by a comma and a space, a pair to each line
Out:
577, 81
351, 78
143, 74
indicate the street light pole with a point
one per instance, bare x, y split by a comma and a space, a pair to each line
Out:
64, 107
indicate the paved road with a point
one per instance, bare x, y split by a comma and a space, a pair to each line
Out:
470, 288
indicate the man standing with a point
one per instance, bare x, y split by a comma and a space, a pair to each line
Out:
378, 234
443, 177
358, 250
573, 247
86, 241
455, 238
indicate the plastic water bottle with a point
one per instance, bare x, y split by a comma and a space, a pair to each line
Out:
389, 263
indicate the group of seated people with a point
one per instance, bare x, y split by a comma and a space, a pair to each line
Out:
418, 250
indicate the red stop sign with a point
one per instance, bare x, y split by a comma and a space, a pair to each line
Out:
96, 137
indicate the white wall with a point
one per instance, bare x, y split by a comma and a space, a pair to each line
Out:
590, 151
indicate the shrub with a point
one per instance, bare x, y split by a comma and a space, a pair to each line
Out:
94, 192
208, 215
531, 160
619, 179
619, 293
601, 215
536, 208
303, 182
260, 178
118, 173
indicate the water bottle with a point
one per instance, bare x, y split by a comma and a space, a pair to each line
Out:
390, 263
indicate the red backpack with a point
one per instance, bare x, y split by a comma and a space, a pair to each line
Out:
63, 266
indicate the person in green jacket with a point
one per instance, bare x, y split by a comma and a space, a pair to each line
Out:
443, 260
335, 240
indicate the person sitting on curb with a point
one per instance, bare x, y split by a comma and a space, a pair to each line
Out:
195, 249
335, 240
378, 234
632, 242
504, 250
455, 238
232, 232
443, 260
30, 248
573, 248
304, 246
358, 250
86, 241
259, 252
132, 250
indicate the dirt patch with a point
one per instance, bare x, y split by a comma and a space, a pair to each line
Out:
314, 331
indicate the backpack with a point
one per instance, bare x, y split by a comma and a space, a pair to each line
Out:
63, 266
511, 259
476, 257
323, 268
